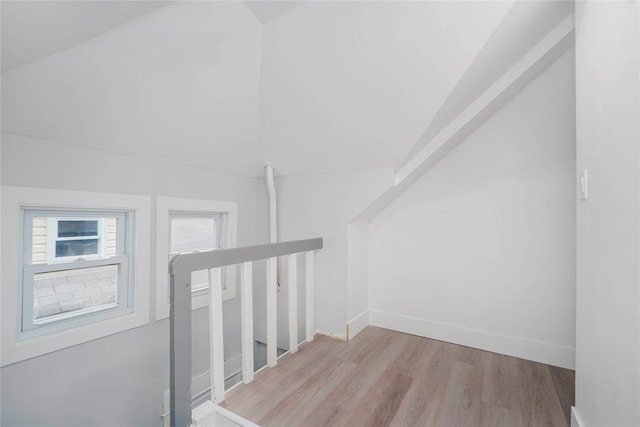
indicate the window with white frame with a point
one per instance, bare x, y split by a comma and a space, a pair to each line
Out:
78, 262
187, 225
79, 279
196, 232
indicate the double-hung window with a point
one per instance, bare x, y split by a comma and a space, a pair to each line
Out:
188, 225
69, 277
75, 267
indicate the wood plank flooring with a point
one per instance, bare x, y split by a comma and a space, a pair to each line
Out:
387, 378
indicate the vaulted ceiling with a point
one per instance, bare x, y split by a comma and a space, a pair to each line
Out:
311, 87
33, 30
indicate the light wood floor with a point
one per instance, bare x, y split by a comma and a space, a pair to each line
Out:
383, 378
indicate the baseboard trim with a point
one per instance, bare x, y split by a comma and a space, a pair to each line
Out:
576, 421
200, 384
357, 324
536, 351
330, 335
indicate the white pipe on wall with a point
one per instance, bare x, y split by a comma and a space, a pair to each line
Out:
273, 211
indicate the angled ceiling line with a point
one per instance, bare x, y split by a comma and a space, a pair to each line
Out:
524, 25
58, 25
544, 53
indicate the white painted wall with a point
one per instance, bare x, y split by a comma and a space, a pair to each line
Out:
180, 83
481, 249
608, 245
322, 206
142, 364
125, 112
133, 380
357, 277
353, 85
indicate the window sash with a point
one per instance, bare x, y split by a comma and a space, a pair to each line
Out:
31, 328
220, 226
167, 207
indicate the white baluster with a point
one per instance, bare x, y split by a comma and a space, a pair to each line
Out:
310, 291
247, 322
216, 340
292, 264
272, 310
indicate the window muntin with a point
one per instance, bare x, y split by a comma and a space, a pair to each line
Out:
74, 238
77, 237
73, 282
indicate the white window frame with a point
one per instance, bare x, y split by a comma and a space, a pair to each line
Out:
30, 327
18, 345
165, 207
52, 239
221, 221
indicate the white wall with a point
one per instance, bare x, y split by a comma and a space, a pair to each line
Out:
357, 277
481, 249
133, 380
322, 206
180, 83
608, 134
125, 112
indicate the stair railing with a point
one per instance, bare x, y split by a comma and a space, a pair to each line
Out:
180, 269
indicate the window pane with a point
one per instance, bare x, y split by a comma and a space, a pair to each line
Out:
77, 228
199, 280
76, 247
69, 293
193, 234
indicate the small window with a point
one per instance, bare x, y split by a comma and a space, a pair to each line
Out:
189, 225
75, 266
192, 232
55, 294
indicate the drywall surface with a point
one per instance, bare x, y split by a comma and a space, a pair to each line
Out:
481, 249
357, 272
124, 112
322, 206
608, 131
180, 83
118, 380
352, 85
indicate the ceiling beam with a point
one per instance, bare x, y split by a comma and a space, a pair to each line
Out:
544, 53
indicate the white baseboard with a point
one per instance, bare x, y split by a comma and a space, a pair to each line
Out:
575, 418
232, 366
357, 324
536, 351
200, 383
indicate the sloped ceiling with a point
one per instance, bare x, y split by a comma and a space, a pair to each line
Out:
365, 85
310, 87
179, 84
33, 30
353, 85
267, 11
